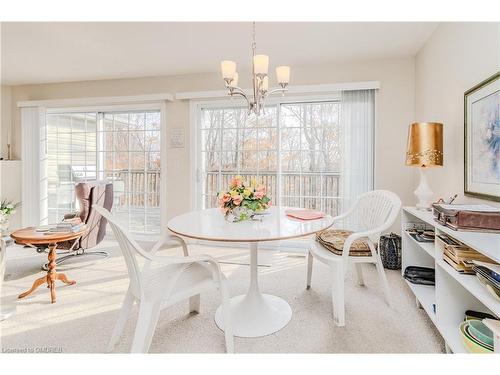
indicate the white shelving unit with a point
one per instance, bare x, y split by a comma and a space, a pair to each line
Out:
454, 293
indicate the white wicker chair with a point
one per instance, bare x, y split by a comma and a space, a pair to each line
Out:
161, 282
373, 213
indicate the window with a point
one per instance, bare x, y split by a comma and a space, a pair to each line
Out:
310, 155
294, 149
71, 158
120, 147
233, 143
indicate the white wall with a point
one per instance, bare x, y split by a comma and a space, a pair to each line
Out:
10, 171
5, 117
455, 58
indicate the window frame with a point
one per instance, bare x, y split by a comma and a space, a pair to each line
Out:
195, 113
161, 107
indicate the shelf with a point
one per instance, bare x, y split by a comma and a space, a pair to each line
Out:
428, 247
472, 284
456, 292
426, 295
484, 242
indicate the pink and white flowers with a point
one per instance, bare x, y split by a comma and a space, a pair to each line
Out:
245, 197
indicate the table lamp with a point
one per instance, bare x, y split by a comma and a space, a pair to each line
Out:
425, 150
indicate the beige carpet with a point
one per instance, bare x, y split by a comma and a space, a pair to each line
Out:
82, 319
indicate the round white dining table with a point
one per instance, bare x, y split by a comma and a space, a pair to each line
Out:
254, 314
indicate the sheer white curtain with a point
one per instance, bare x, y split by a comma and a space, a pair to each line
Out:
357, 127
34, 171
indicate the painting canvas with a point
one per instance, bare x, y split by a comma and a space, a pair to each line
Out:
482, 140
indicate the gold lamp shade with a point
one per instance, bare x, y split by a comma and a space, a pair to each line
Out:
425, 144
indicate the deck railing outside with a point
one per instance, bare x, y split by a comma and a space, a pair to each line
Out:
309, 190
141, 187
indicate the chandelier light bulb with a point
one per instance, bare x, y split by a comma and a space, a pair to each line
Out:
260, 64
228, 69
283, 74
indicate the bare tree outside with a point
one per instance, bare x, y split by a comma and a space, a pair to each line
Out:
304, 146
297, 159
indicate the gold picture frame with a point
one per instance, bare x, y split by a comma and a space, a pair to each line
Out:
482, 140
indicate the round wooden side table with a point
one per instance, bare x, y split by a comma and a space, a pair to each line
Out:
29, 236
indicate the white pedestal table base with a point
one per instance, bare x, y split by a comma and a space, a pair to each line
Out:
255, 314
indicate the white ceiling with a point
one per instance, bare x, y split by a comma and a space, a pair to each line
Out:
58, 52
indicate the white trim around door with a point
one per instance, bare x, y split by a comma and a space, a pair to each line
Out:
97, 101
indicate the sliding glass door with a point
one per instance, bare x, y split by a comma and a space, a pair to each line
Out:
294, 149
120, 147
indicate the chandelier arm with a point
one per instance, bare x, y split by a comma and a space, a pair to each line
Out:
268, 93
235, 89
240, 93
280, 90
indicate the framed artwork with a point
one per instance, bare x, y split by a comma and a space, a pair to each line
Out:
482, 139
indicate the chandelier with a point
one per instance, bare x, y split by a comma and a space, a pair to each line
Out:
260, 79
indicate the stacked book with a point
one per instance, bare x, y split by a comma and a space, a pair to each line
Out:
460, 256
72, 226
66, 227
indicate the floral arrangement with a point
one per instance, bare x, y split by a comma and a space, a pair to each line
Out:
243, 199
7, 208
